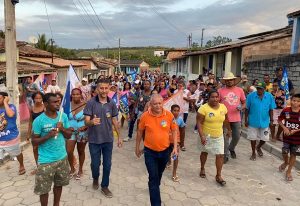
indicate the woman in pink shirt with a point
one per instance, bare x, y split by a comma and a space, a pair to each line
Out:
163, 91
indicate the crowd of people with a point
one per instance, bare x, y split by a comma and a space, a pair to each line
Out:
223, 106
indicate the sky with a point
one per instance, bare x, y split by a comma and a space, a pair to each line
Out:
94, 23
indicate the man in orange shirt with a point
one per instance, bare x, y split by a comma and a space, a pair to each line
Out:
157, 124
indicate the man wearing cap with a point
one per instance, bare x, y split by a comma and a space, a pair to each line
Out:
86, 89
234, 99
53, 88
258, 116
244, 84
279, 76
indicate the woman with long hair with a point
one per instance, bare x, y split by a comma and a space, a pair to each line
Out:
37, 109
164, 91
79, 135
210, 120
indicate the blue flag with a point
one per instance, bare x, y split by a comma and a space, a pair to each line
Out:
115, 98
131, 77
124, 107
72, 81
284, 84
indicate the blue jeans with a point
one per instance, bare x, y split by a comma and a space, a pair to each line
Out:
95, 152
185, 116
131, 126
156, 163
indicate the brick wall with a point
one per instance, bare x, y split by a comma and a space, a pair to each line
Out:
257, 68
273, 47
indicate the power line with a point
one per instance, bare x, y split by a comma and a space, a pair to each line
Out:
48, 19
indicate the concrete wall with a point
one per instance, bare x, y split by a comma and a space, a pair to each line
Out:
256, 69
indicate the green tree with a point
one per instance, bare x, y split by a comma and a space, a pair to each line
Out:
43, 43
217, 40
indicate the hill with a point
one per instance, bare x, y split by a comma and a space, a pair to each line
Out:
128, 53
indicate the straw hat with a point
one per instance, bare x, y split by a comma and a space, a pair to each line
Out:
229, 76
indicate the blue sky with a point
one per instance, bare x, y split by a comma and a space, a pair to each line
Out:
141, 23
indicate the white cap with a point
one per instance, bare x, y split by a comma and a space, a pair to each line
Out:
137, 81
84, 79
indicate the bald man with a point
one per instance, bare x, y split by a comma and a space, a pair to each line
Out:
157, 123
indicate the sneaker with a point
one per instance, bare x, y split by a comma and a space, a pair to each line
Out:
226, 160
232, 154
106, 192
127, 139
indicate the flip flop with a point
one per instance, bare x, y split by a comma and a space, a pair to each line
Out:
253, 157
259, 152
282, 168
202, 174
71, 175
175, 179
78, 176
22, 172
220, 181
288, 178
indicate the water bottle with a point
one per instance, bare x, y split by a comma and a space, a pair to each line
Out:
174, 157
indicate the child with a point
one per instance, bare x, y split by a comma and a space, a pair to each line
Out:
175, 109
289, 120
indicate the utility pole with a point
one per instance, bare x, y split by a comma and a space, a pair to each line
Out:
202, 37
11, 53
119, 56
52, 41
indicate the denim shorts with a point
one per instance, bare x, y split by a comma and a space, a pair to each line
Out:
291, 148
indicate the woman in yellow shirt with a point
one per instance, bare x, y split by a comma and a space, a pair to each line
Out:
210, 120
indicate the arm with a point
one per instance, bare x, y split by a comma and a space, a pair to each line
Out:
10, 112
37, 139
138, 151
227, 126
116, 126
271, 116
169, 93
246, 117
29, 126
286, 130
66, 132
200, 120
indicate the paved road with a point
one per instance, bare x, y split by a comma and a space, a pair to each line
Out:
248, 183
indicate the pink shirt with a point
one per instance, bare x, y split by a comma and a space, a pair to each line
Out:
232, 98
164, 94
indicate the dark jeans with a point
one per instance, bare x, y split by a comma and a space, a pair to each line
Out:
156, 163
236, 133
95, 151
131, 126
185, 116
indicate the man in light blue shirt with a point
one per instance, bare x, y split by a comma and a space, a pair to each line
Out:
258, 116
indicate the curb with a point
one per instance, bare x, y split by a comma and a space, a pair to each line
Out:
6, 158
273, 149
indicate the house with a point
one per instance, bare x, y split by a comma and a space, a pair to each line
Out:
159, 53
233, 56
175, 62
130, 66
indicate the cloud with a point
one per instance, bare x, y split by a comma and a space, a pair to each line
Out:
138, 23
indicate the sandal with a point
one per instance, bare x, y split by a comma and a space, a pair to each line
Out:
220, 181
183, 149
175, 179
282, 167
259, 152
288, 178
202, 173
22, 171
78, 176
72, 174
253, 157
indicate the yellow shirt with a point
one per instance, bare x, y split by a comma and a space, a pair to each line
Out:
269, 87
214, 118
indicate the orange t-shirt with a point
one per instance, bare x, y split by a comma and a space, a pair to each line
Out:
157, 129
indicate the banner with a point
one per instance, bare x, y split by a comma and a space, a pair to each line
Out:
124, 106
175, 99
39, 82
72, 82
284, 84
131, 77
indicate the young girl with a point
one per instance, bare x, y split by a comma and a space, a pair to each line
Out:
289, 120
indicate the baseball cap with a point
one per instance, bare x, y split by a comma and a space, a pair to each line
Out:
261, 85
84, 79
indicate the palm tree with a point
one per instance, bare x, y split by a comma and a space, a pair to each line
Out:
43, 43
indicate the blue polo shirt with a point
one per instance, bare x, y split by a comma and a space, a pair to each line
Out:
258, 109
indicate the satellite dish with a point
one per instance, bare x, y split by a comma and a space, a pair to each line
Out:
33, 40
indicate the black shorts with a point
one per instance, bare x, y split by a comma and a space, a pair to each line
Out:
291, 148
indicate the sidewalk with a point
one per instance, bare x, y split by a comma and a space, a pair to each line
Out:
272, 147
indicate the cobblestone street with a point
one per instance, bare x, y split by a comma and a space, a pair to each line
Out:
248, 183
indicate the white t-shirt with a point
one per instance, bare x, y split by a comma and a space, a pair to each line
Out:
53, 89
185, 107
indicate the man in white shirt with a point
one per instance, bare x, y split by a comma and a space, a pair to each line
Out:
53, 88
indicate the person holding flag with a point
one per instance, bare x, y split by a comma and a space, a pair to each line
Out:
283, 81
100, 115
